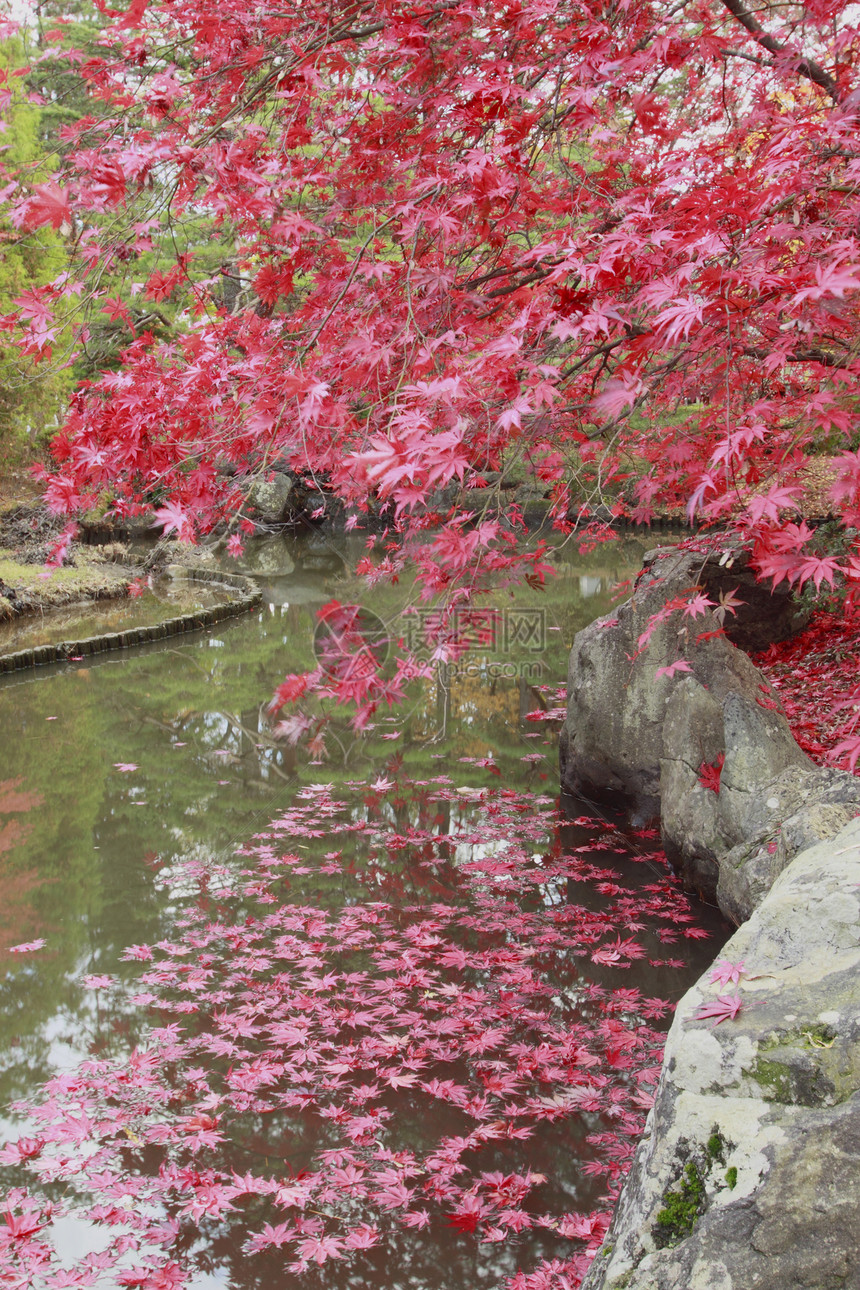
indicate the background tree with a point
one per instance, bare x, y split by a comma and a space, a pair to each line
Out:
31, 396
55, 77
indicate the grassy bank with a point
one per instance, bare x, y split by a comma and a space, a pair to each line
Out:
27, 588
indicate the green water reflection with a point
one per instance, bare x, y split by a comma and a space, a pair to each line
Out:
89, 851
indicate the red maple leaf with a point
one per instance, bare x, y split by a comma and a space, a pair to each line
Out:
48, 205
709, 773
724, 1008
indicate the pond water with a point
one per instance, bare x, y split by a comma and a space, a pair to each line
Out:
137, 793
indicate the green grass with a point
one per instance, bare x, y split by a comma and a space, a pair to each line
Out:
89, 579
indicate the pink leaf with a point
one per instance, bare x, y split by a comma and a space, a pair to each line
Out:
699, 605
849, 749
831, 280
726, 973
680, 665
173, 517
724, 1008
48, 205
616, 396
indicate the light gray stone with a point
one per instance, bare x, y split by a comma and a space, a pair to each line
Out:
267, 499
759, 747
799, 808
780, 1086
613, 735
267, 557
629, 731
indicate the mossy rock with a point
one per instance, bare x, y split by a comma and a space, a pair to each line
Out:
682, 1206
685, 1203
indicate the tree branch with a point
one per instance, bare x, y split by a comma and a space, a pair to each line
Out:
811, 355
804, 67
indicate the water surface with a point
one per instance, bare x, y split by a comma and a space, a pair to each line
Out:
115, 771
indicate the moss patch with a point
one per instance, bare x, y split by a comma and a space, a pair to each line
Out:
802, 1067
24, 589
774, 1080
795, 1078
681, 1207
716, 1147
815, 1036
685, 1203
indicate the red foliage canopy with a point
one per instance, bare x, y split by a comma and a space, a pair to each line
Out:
613, 240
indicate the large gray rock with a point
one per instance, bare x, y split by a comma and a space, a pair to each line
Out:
753, 1145
801, 807
766, 614
612, 740
772, 801
268, 500
652, 738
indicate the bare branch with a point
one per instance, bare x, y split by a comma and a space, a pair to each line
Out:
804, 67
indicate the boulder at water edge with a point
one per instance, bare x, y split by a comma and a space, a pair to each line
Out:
748, 1174
666, 711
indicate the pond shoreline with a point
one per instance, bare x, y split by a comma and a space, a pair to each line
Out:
247, 597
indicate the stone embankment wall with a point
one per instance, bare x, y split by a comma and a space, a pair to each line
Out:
748, 1174
241, 595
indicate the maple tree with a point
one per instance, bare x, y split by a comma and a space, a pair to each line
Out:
620, 245
464, 230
